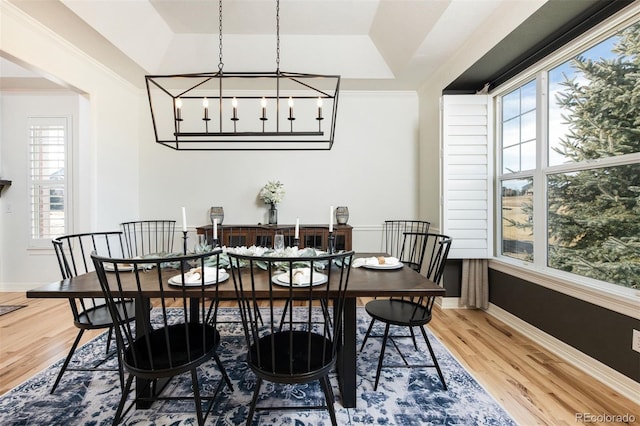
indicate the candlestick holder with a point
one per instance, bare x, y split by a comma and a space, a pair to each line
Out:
296, 242
185, 264
184, 242
215, 242
332, 243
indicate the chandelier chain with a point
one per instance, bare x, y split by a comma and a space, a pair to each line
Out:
220, 63
278, 35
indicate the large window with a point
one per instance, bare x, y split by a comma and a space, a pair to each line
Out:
584, 158
48, 141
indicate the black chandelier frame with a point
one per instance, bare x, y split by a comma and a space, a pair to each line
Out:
182, 119
224, 129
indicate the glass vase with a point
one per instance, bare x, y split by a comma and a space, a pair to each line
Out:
216, 213
342, 215
273, 215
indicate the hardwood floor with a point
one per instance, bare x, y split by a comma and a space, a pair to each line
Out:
533, 385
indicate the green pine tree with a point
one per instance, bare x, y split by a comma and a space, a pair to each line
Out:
594, 226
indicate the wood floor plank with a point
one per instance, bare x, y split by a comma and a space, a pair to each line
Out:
535, 386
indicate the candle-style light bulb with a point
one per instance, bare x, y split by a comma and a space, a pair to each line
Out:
205, 104
263, 102
290, 107
319, 108
234, 104
178, 103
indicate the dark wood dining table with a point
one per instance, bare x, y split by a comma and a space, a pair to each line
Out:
363, 282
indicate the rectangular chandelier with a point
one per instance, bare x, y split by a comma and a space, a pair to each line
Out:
242, 111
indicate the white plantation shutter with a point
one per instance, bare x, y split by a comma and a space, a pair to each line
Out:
467, 164
48, 180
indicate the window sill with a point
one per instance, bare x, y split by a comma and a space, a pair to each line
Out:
44, 249
623, 300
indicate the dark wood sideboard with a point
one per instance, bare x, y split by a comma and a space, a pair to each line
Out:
315, 236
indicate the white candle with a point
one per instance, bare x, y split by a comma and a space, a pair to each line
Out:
331, 219
297, 234
205, 104
215, 228
178, 106
184, 220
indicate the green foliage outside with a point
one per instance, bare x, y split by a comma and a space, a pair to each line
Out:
594, 215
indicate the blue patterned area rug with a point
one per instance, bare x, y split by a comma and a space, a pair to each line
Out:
404, 396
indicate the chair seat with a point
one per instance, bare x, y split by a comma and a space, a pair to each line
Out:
398, 312
301, 365
181, 354
98, 316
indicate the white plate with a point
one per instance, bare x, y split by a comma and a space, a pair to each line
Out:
283, 279
122, 267
385, 266
208, 280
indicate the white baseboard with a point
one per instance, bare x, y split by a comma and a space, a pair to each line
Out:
450, 303
19, 287
599, 371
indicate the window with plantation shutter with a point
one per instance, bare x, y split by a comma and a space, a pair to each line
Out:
467, 162
48, 179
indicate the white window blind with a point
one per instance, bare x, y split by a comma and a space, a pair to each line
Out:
48, 141
467, 164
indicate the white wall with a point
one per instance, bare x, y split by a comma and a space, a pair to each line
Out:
107, 152
372, 168
123, 175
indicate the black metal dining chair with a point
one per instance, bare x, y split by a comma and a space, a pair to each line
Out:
409, 312
411, 254
74, 258
180, 336
393, 233
303, 348
145, 237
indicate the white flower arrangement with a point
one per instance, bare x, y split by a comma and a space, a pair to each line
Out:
272, 192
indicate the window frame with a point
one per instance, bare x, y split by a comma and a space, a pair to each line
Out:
613, 296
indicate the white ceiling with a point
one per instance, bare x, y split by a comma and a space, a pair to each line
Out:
372, 44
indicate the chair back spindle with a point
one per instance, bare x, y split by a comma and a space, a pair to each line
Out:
300, 344
73, 253
393, 233
410, 311
180, 335
145, 237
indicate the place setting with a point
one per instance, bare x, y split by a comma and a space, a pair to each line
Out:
300, 277
194, 277
378, 262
